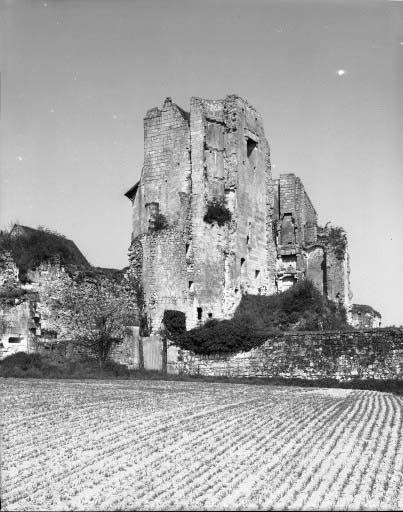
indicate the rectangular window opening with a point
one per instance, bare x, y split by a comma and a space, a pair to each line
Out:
14, 340
257, 272
199, 313
191, 285
242, 262
210, 315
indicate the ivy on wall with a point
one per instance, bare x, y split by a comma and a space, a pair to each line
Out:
337, 239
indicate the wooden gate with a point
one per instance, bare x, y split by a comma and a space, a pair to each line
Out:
153, 353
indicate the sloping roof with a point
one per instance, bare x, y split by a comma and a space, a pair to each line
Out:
131, 193
19, 230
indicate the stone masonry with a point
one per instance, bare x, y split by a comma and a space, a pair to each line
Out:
344, 356
218, 152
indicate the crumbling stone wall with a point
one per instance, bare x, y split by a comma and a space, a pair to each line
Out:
17, 328
366, 354
337, 280
298, 253
306, 250
34, 324
365, 317
8, 270
166, 170
230, 161
126, 351
216, 152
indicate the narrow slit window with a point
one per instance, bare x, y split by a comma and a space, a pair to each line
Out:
210, 315
242, 262
257, 272
250, 146
191, 286
199, 313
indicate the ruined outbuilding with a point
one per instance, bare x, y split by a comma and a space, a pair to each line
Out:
210, 223
365, 317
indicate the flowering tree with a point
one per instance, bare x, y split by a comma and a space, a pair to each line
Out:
94, 314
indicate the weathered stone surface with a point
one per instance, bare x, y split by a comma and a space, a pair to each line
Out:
365, 317
8, 270
367, 354
218, 152
33, 323
17, 328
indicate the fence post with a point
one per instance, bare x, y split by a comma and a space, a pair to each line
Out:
141, 354
164, 354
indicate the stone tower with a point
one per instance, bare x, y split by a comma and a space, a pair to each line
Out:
217, 153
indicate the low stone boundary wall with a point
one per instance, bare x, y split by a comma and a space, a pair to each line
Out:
365, 354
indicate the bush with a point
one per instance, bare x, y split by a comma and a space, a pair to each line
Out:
301, 308
338, 240
219, 337
48, 366
217, 212
22, 360
174, 321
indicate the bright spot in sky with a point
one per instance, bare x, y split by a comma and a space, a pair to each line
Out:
273, 166
115, 116
20, 158
45, 4
52, 111
341, 72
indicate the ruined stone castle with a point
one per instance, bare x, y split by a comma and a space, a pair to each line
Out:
216, 158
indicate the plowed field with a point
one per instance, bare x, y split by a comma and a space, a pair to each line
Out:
124, 445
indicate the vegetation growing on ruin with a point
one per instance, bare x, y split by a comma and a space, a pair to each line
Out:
301, 308
174, 322
338, 240
220, 337
9, 295
217, 212
40, 245
95, 314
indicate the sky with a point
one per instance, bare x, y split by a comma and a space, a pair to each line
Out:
77, 77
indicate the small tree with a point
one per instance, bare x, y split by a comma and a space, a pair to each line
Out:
96, 314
